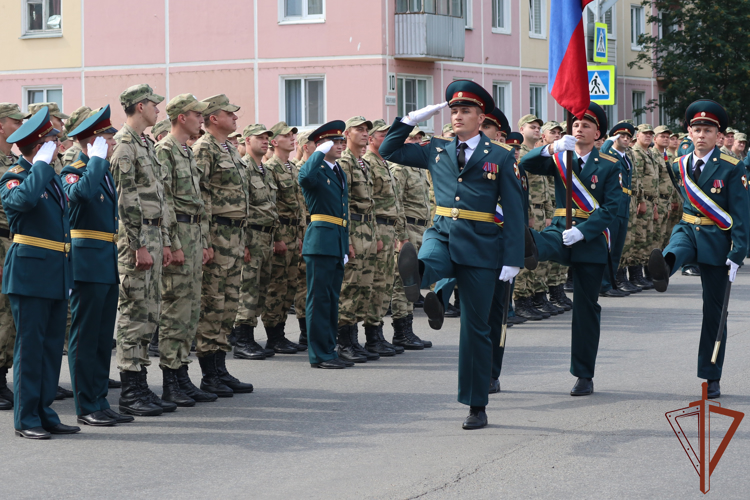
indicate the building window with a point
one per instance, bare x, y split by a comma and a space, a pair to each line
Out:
466, 11
537, 13
34, 95
538, 101
501, 16
637, 26
639, 98
609, 20
304, 104
412, 94
501, 95
664, 118
441, 7
42, 17
296, 11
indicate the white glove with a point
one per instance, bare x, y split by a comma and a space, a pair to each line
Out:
423, 114
507, 273
567, 143
98, 149
46, 152
346, 259
572, 236
615, 137
325, 147
732, 270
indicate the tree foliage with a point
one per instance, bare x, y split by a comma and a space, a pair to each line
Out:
700, 51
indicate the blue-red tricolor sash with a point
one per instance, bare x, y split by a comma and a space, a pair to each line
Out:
499, 218
581, 196
705, 205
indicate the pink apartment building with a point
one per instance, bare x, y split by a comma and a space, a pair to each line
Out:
303, 61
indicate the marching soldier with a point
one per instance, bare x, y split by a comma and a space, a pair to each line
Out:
713, 231
56, 117
38, 287
305, 148
647, 170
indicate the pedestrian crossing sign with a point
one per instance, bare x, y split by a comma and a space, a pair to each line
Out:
602, 84
600, 42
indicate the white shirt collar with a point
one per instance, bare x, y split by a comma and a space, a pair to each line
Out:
330, 165
705, 158
473, 142
585, 158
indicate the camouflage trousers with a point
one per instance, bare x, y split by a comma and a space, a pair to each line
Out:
400, 307
382, 282
283, 285
139, 303
256, 276
220, 290
181, 300
557, 274
300, 298
675, 216
629, 257
527, 283
644, 235
359, 273
7, 326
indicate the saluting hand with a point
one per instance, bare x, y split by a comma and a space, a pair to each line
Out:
324, 147
143, 259
423, 114
46, 152
98, 149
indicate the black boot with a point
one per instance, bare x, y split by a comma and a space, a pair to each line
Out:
557, 296
302, 333
172, 391
374, 344
396, 348
232, 337
210, 381
524, 309
568, 286
277, 341
622, 283
453, 310
245, 346
153, 346
647, 277
5, 393
190, 389
228, 380
636, 278
413, 336
399, 336
354, 335
541, 302
344, 346
167, 406
133, 400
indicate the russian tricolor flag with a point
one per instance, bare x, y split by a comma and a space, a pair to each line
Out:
568, 75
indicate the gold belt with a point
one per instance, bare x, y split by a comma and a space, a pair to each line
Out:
627, 191
698, 221
560, 212
460, 213
328, 218
93, 235
41, 243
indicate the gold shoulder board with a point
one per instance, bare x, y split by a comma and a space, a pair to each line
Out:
449, 139
17, 169
733, 161
78, 164
607, 157
502, 144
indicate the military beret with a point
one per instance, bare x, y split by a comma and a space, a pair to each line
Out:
10, 110
137, 93
529, 119
54, 109
466, 92
707, 112
35, 128
184, 103
328, 131
356, 121
282, 128
98, 122
379, 126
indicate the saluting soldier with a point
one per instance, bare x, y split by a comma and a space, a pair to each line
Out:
713, 231
76, 118
56, 117
470, 172
37, 275
647, 170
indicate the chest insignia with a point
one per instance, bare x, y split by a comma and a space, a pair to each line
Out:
437, 158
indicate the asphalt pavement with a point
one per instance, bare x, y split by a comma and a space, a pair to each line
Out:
392, 428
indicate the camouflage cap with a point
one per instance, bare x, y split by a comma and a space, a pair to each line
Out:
161, 127
447, 128
54, 109
137, 93
529, 119
661, 129
627, 121
304, 137
219, 102
740, 136
379, 126
416, 131
730, 130
674, 134
356, 121
235, 135
76, 118
645, 127
256, 129
282, 128
10, 110
551, 125
184, 103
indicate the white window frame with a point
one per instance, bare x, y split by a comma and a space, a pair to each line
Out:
282, 98
503, 30
612, 25
44, 32
508, 86
664, 118
468, 13
543, 115
304, 18
633, 34
46, 88
543, 24
430, 126
640, 118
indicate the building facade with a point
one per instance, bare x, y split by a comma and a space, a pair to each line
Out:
303, 61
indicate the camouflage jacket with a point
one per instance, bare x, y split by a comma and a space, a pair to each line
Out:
359, 179
539, 187
290, 203
182, 185
5, 163
139, 178
729, 152
223, 181
71, 153
385, 193
263, 190
648, 171
666, 189
413, 189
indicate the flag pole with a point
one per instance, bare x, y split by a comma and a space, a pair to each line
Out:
569, 177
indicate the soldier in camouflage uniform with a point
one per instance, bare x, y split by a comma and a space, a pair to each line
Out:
740, 143
729, 142
287, 241
389, 217
226, 200
76, 118
181, 281
668, 198
56, 117
262, 223
11, 119
143, 248
161, 129
305, 147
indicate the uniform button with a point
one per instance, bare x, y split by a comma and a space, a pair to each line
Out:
697, 228
458, 198
574, 223
460, 179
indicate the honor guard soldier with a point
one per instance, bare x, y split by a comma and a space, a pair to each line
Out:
713, 231
76, 118
37, 275
56, 117
11, 119
94, 222
585, 246
326, 245
470, 172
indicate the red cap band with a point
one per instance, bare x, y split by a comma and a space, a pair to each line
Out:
102, 126
705, 117
38, 134
469, 97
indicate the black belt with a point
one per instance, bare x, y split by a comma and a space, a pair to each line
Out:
289, 222
4, 233
417, 222
308, 220
385, 221
538, 206
190, 219
262, 229
665, 196
226, 221
152, 222
649, 198
361, 217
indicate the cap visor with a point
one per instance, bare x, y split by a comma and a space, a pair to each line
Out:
230, 108
19, 116
60, 115
54, 131
155, 98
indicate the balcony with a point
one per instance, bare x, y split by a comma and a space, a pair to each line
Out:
422, 36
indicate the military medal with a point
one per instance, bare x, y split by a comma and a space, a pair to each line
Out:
437, 158
439, 150
101, 198
594, 180
490, 169
718, 184
328, 181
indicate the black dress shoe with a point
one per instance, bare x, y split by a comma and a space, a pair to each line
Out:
62, 429
714, 391
452, 312
691, 271
65, 392
114, 384
659, 270
516, 320
34, 433
408, 269
494, 386
118, 418
583, 387
5, 405
347, 363
476, 420
331, 364
614, 292
96, 419
433, 308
